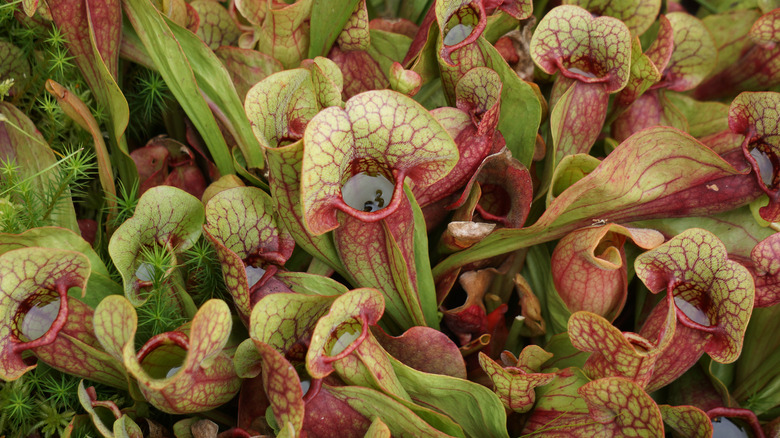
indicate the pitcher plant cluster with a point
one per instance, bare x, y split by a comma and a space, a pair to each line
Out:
411, 218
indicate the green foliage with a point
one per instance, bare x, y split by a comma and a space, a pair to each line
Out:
149, 100
53, 422
126, 200
204, 272
23, 207
159, 313
18, 407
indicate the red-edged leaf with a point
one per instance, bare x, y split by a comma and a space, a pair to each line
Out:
377, 132
616, 407
617, 354
589, 267
424, 349
713, 297
343, 329
14, 65
216, 26
246, 67
514, 386
687, 421
92, 30
76, 350
517, 96
639, 414
758, 66
165, 217
469, 320
178, 373
340, 419
766, 271
505, 192
99, 283
577, 117
279, 108
282, 320
597, 50
80, 22
650, 109
284, 30
694, 53
647, 189
34, 284
241, 224
361, 72
638, 15
381, 255
687, 346
354, 34
644, 72
282, 387
461, 22
477, 94
754, 115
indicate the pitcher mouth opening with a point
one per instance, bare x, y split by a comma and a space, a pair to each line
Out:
40, 318
369, 191
584, 70
164, 354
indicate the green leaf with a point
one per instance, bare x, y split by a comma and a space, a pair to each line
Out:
327, 20
93, 32
170, 59
401, 420
704, 184
215, 83
735, 228
474, 407
21, 143
426, 288
80, 113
